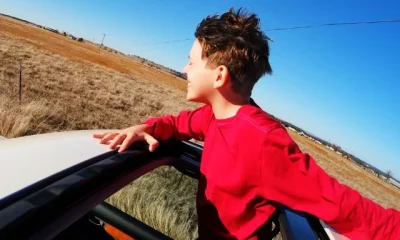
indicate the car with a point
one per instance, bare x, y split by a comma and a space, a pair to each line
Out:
54, 186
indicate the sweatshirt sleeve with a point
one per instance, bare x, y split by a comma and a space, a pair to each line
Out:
184, 126
293, 178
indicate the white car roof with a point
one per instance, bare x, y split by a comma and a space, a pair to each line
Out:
29, 159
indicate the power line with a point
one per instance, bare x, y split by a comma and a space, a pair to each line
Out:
171, 41
296, 27
333, 24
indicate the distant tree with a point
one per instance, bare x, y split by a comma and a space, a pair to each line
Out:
388, 175
80, 39
335, 147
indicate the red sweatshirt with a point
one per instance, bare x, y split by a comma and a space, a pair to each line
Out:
249, 163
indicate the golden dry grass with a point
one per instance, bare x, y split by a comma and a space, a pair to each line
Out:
69, 85
85, 52
164, 199
30, 118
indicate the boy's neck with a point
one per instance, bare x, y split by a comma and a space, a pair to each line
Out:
224, 108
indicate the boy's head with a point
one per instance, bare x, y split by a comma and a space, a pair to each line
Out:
229, 55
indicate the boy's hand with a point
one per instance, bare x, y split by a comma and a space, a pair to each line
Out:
127, 136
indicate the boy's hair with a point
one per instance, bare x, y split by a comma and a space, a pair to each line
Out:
236, 41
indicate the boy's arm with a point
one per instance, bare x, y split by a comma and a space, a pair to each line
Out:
184, 126
292, 178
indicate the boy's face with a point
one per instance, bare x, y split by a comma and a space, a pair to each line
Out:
200, 78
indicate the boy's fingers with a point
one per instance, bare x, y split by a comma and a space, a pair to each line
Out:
128, 141
153, 143
117, 140
108, 137
130, 138
99, 135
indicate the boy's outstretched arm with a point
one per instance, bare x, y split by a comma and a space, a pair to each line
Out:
184, 126
292, 178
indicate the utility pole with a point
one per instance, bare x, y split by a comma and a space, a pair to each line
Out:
104, 35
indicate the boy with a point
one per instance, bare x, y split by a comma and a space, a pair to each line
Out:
249, 163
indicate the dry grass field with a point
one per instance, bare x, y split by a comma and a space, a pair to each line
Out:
69, 85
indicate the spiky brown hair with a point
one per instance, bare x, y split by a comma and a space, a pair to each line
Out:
235, 40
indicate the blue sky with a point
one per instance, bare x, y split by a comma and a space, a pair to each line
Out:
340, 83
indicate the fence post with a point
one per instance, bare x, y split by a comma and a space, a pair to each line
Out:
20, 81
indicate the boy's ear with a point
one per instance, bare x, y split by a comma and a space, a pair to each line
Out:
222, 76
